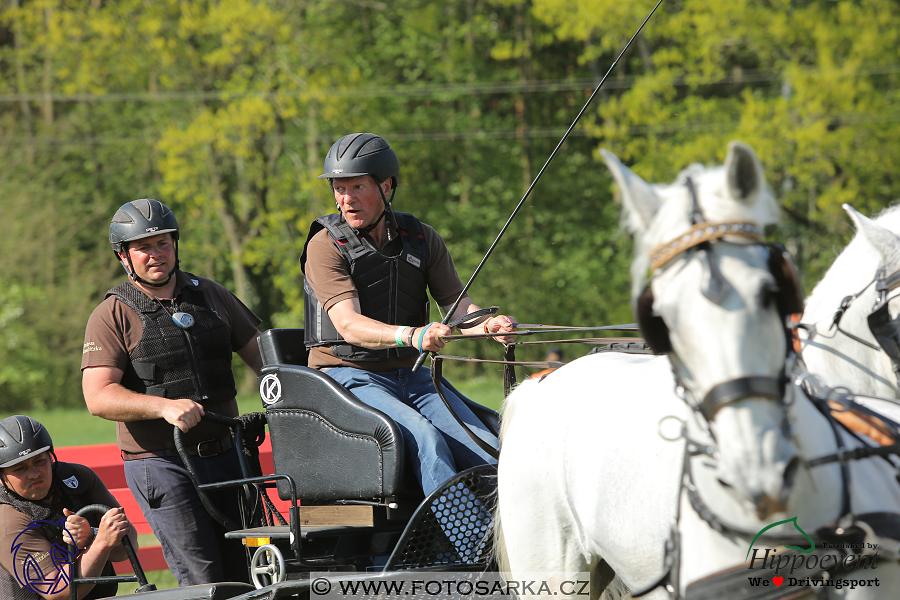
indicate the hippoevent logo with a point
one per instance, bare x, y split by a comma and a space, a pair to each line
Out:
805, 567
27, 566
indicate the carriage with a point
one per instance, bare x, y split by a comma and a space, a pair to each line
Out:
354, 509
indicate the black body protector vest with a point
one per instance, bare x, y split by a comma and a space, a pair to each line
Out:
392, 289
71, 493
163, 364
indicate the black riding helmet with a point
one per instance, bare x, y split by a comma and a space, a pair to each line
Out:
359, 154
140, 219
22, 438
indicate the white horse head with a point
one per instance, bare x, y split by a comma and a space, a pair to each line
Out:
723, 333
845, 353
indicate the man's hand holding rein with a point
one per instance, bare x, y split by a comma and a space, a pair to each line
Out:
502, 324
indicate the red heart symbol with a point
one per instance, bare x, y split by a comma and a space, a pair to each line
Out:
778, 580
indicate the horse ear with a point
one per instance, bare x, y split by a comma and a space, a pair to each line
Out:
641, 202
744, 173
885, 241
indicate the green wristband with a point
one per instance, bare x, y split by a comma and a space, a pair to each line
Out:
398, 336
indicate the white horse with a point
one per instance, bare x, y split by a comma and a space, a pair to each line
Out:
843, 352
611, 458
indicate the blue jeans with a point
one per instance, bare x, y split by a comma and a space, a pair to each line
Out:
193, 543
435, 443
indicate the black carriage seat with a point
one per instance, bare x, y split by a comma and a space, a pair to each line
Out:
331, 444
207, 591
334, 446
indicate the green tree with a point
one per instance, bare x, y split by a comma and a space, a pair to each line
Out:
812, 86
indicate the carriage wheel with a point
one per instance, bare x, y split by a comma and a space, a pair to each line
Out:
267, 566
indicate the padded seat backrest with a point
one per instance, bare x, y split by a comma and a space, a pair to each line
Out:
283, 347
332, 445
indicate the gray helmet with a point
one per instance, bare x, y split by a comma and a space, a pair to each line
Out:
360, 154
22, 438
140, 219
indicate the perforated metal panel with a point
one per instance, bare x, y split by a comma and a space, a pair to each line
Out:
453, 526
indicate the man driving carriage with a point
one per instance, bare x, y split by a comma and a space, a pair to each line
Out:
157, 353
367, 269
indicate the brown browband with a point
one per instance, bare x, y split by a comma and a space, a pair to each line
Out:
699, 233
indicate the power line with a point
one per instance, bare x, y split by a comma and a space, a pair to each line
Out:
434, 90
475, 135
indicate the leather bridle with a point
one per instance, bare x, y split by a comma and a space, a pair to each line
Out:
701, 236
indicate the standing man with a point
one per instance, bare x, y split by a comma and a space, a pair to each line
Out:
366, 271
157, 353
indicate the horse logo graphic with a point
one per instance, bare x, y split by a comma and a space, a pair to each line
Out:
27, 569
812, 544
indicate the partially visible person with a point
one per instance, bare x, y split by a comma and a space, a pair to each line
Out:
368, 271
554, 355
39, 497
157, 354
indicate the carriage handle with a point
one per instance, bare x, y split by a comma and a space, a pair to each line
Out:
139, 576
180, 445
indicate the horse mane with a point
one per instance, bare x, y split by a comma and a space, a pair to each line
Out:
673, 216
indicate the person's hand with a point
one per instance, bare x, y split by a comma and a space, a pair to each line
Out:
433, 339
182, 413
502, 324
78, 531
113, 527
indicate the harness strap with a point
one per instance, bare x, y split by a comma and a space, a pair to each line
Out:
856, 454
436, 369
473, 318
509, 369
738, 389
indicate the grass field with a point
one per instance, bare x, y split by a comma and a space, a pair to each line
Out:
76, 427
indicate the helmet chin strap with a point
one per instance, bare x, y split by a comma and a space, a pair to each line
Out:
387, 209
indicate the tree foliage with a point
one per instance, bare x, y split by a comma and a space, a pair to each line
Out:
224, 109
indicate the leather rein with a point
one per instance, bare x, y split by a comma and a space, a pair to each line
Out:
509, 361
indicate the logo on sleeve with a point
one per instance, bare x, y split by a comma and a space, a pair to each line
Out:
91, 347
